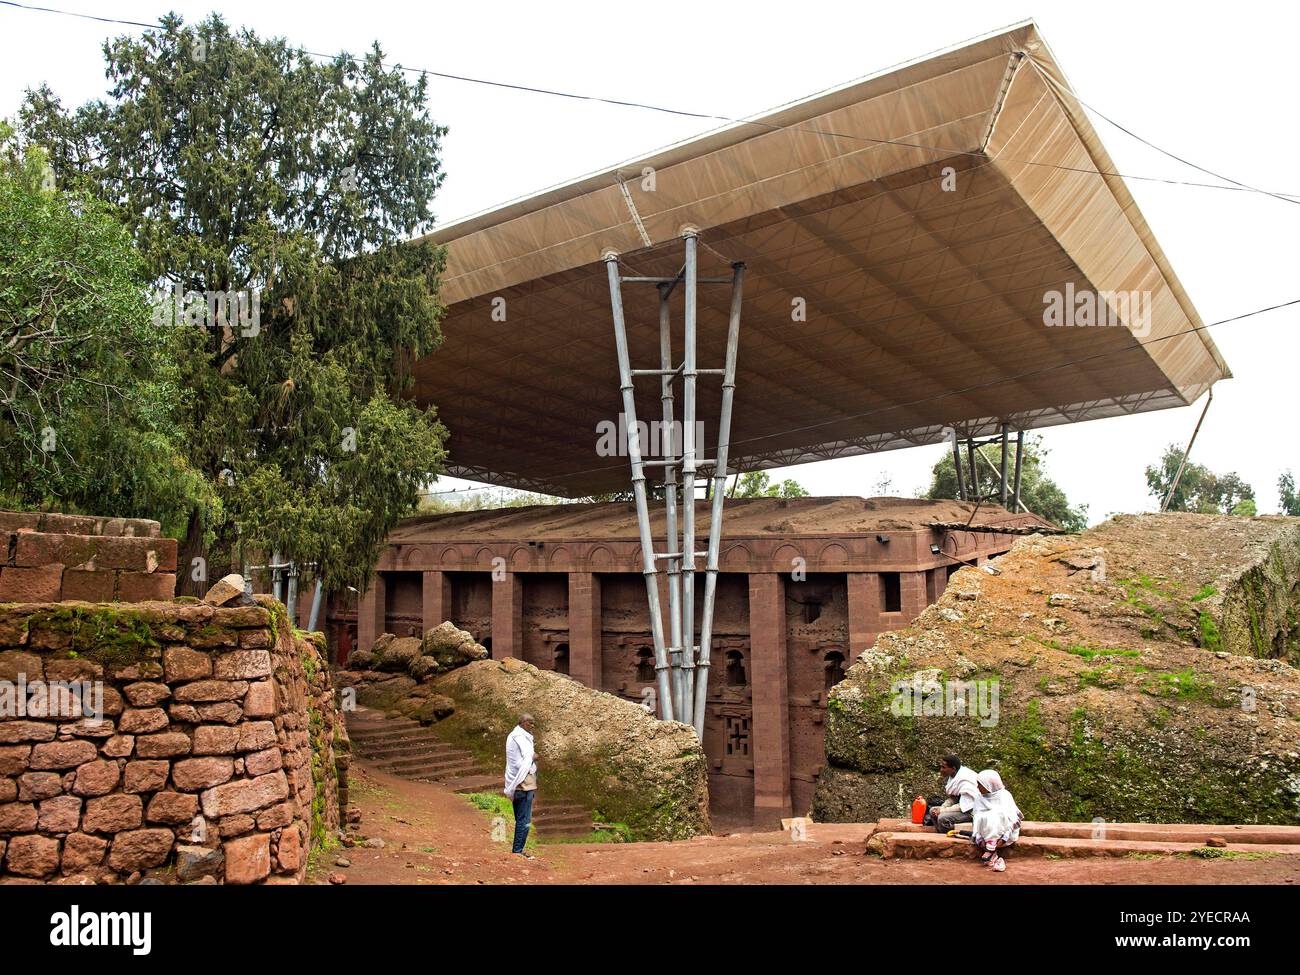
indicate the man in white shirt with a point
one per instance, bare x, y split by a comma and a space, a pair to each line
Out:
960, 792
521, 780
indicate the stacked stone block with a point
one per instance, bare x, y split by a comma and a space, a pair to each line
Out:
50, 557
203, 768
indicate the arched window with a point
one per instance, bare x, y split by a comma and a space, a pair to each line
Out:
645, 666
736, 669
834, 664
560, 658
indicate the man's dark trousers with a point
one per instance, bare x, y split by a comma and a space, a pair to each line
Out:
523, 803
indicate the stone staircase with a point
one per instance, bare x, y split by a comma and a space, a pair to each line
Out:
408, 749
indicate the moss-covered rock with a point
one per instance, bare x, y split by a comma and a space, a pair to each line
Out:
593, 748
1126, 682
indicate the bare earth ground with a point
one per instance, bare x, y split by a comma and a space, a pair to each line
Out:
433, 836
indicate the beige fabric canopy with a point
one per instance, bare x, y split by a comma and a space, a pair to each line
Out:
919, 219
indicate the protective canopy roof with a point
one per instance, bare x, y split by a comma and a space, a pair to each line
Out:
919, 219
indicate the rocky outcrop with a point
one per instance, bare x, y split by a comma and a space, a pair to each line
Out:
1143, 670
397, 673
594, 748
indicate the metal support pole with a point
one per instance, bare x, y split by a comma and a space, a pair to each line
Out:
1187, 453
719, 494
648, 568
1020, 453
672, 457
974, 476
689, 463
291, 603
275, 575
956, 466
1002, 470
315, 606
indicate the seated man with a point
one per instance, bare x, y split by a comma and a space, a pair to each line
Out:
961, 791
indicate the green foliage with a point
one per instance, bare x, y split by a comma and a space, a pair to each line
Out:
758, 484
88, 388
242, 166
1287, 490
1037, 491
1199, 488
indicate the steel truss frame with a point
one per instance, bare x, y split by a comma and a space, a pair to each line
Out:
681, 661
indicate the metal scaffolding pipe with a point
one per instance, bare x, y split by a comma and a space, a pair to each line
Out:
314, 619
648, 568
672, 460
719, 495
689, 448
1002, 470
956, 466
974, 476
1020, 452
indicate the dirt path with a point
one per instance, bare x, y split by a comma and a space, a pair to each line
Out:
433, 836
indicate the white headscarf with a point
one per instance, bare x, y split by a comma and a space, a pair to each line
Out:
961, 786
997, 818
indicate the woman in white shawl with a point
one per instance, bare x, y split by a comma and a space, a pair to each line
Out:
997, 819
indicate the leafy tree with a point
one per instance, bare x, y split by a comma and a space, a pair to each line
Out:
1038, 492
271, 193
1290, 499
1199, 488
758, 484
88, 388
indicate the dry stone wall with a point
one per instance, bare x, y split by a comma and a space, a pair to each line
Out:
219, 756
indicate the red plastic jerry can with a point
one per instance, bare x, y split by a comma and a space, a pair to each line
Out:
919, 808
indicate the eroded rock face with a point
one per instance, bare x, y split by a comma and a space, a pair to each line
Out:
394, 675
1142, 670
594, 748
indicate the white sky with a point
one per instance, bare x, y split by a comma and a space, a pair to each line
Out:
1216, 85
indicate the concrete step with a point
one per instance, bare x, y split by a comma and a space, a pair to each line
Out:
474, 783
378, 738
399, 766
442, 773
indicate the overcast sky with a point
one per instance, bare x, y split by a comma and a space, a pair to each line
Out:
1218, 88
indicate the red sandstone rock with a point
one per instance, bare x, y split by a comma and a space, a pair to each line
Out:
288, 853
140, 849
32, 856
17, 817
227, 590
138, 587
41, 584
245, 795
211, 690
275, 817
260, 700
216, 739
119, 746
141, 720
13, 759
73, 668
236, 825
146, 694
243, 665
13, 732
113, 814
337, 878
8, 790
194, 774
97, 778
225, 711
61, 814
90, 585
248, 859
172, 807
259, 763
163, 745
251, 639
62, 754
39, 785
81, 851
255, 735
145, 775
182, 663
